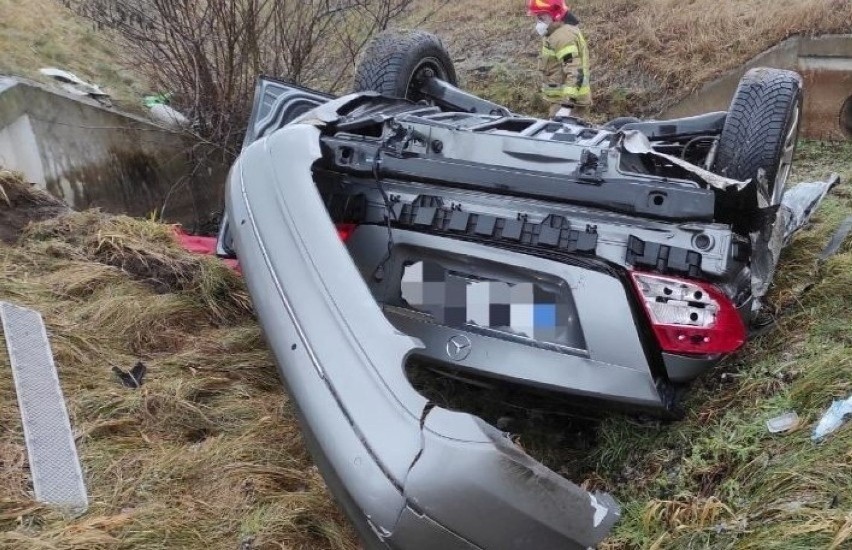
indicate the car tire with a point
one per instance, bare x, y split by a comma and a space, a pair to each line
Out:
396, 60
758, 140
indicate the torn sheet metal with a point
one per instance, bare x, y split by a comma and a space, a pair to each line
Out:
797, 206
638, 143
766, 247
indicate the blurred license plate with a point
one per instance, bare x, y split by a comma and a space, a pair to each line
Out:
520, 309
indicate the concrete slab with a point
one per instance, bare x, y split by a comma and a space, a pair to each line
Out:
828, 87
92, 156
825, 63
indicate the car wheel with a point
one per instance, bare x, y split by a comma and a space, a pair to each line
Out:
758, 140
396, 63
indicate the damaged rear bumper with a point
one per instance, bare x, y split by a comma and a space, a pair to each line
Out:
408, 475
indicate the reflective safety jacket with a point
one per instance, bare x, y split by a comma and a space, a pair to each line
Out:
564, 64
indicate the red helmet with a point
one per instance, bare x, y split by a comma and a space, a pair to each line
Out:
554, 8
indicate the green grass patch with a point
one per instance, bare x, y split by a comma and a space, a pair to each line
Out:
718, 478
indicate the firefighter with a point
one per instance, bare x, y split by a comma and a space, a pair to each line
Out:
564, 60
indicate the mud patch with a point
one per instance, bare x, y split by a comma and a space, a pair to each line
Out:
22, 203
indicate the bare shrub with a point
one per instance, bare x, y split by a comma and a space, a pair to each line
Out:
208, 53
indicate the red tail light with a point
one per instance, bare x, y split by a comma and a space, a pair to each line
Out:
689, 317
345, 230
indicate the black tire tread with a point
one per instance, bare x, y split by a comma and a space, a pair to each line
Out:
753, 135
391, 56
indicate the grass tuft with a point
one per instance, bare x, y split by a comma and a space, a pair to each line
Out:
207, 453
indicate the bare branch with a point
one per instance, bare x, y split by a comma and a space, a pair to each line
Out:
208, 53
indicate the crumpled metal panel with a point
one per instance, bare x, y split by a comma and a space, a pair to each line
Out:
801, 201
797, 206
638, 143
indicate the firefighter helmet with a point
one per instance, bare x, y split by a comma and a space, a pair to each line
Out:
556, 9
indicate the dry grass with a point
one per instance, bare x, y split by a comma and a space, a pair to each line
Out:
207, 453
21, 204
718, 479
645, 53
42, 33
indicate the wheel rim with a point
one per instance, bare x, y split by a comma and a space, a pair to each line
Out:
786, 162
428, 67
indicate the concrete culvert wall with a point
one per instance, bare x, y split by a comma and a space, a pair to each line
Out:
825, 63
846, 117
91, 156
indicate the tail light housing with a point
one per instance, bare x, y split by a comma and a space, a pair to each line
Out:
345, 230
689, 317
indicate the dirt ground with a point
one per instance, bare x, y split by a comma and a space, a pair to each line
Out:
21, 203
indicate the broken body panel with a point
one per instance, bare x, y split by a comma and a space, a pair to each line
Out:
409, 475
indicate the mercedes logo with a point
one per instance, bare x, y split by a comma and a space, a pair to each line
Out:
458, 347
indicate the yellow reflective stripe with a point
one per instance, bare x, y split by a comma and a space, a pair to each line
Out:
564, 52
566, 91
584, 55
570, 49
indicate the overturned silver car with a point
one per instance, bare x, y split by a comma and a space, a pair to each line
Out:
411, 220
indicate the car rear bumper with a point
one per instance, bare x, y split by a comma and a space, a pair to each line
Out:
605, 360
408, 475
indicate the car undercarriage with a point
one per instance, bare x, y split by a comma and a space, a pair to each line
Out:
611, 265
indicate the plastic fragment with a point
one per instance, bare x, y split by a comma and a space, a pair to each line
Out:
837, 239
801, 201
74, 84
833, 418
783, 423
133, 379
205, 246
